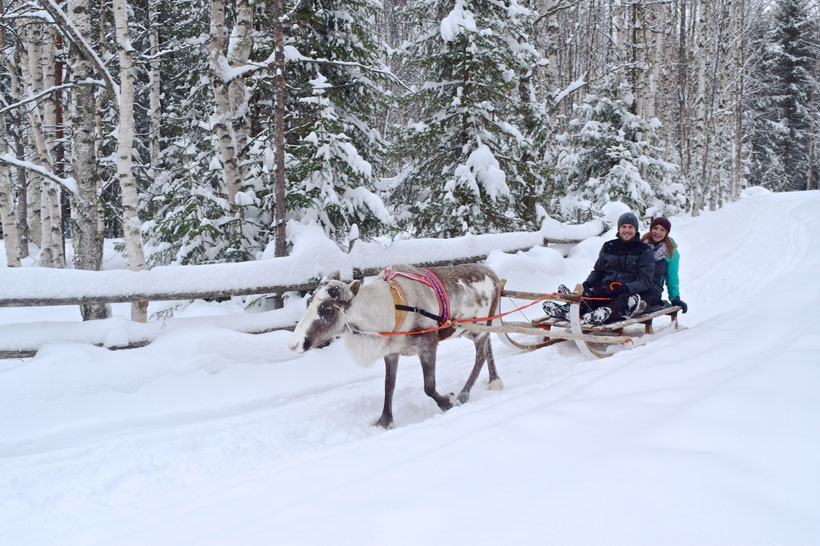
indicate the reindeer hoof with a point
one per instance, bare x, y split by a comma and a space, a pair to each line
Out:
495, 385
448, 401
384, 422
463, 398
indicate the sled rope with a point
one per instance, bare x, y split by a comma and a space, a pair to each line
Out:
453, 322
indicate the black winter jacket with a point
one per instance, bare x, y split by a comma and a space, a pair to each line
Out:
631, 264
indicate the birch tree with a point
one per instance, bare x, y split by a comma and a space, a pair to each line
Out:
155, 90
11, 235
125, 143
86, 236
230, 95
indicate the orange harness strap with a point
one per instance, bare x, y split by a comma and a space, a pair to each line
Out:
454, 321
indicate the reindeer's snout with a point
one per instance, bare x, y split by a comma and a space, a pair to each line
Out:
298, 344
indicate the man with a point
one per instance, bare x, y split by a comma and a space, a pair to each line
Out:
623, 271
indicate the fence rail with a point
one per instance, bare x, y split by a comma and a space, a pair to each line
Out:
122, 295
32, 287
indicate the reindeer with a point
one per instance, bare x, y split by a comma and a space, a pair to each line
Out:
361, 313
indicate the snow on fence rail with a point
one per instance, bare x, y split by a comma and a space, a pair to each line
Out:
313, 257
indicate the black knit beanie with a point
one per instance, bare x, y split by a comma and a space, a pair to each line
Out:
628, 218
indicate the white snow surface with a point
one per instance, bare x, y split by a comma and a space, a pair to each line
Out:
705, 436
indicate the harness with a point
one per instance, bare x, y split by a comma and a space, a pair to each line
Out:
426, 277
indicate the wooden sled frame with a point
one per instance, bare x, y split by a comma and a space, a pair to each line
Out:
586, 336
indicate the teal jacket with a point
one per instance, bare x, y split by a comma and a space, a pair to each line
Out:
666, 272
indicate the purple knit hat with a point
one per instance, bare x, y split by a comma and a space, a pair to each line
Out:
661, 221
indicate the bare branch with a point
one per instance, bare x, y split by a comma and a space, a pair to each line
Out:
68, 183
38, 96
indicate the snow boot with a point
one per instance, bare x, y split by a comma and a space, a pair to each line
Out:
562, 289
556, 310
641, 308
598, 316
632, 305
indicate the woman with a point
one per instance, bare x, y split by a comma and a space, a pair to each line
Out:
622, 276
667, 260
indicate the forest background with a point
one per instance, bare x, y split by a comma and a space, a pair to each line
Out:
208, 131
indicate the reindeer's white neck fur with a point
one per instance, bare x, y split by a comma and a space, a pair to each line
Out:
370, 312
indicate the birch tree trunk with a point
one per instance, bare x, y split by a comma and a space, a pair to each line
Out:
740, 63
20, 182
52, 199
86, 235
683, 93
132, 227
230, 99
45, 193
701, 136
154, 105
11, 236
22, 199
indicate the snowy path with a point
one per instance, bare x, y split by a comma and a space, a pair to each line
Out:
708, 436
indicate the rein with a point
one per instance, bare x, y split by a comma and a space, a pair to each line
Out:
454, 322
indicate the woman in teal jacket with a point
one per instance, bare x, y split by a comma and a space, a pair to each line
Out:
667, 260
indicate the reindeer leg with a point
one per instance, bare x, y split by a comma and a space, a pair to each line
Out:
480, 356
495, 383
391, 366
427, 357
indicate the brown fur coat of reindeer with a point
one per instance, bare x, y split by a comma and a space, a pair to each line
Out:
360, 313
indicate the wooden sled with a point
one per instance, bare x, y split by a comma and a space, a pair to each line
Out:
591, 340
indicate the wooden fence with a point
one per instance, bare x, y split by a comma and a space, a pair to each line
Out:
27, 287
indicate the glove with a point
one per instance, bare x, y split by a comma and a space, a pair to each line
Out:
616, 289
681, 304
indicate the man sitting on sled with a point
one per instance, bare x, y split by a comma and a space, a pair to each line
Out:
621, 281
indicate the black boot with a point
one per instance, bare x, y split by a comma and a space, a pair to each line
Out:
556, 310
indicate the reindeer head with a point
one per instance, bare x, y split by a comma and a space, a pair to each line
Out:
324, 317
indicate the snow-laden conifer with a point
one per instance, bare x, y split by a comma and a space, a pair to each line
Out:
334, 148
610, 154
467, 163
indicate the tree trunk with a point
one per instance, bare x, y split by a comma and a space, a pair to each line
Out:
225, 115
86, 236
701, 137
280, 240
740, 63
11, 237
155, 89
125, 148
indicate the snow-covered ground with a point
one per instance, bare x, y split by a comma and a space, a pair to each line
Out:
710, 436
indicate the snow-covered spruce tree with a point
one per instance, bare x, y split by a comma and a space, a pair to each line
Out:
610, 154
779, 102
461, 155
334, 149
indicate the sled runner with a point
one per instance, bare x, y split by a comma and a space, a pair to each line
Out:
592, 340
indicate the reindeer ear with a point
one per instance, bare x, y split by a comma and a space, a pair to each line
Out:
334, 276
354, 287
